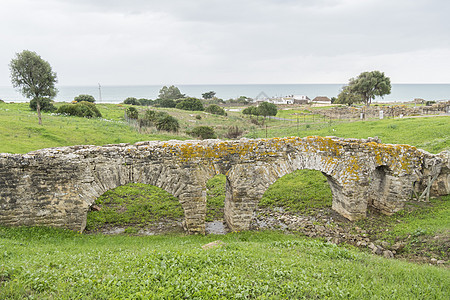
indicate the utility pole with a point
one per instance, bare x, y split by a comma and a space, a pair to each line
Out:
99, 93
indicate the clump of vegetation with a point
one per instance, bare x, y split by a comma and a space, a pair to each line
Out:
132, 113
192, 104
203, 132
233, 132
80, 109
135, 101
167, 123
215, 198
46, 105
216, 110
198, 117
131, 101
85, 98
301, 191
134, 204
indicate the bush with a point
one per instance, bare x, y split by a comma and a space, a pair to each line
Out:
430, 103
81, 109
150, 117
233, 132
168, 103
198, 117
203, 132
167, 123
192, 104
131, 101
145, 102
86, 98
216, 110
132, 113
46, 105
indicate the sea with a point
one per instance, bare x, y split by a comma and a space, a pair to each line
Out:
116, 94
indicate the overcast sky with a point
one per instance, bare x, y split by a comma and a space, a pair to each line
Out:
140, 42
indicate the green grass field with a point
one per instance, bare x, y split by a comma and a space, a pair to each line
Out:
43, 263
39, 263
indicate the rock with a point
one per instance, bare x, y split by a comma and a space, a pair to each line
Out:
433, 261
385, 244
440, 262
388, 254
212, 245
377, 250
96, 208
398, 246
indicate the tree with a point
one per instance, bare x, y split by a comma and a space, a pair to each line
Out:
267, 109
368, 85
192, 104
171, 92
208, 95
346, 96
131, 101
84, 97
33, 77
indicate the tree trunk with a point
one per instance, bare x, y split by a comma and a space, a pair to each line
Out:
38, 109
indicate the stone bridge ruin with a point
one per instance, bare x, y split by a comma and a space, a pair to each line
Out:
57, 186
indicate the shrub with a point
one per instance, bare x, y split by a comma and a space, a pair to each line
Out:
233, 132
81, 109
132, 113
216, 110
198, 117
131, 101
150, 117
430, 103
167, 123
203, 132
168, 103
145, 102
46, 105
192, 104
86, 98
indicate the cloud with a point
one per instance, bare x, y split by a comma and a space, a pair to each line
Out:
211, 41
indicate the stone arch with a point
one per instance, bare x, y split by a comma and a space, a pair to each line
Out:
247, 183
183, 183
148, 207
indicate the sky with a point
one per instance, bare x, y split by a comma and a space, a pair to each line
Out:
147, 42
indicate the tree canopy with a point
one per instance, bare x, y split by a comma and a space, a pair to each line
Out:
84, 97
33, 77
267, 109
208, 95
193, 104
170, 93
346, 96
368, 85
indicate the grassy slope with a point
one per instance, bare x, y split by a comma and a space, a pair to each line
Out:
51, 263
45, 263
20, 132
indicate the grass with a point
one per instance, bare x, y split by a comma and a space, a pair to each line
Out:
42, 263
134, 204
215, 198
20, 132
423, 227
300, 191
